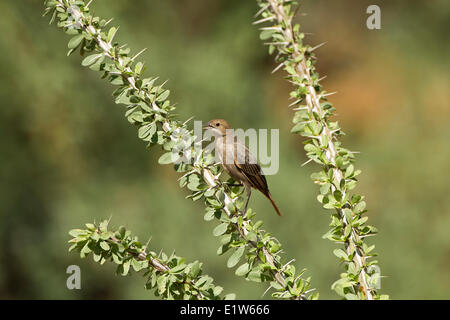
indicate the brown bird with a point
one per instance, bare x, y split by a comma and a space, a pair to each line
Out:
238, 162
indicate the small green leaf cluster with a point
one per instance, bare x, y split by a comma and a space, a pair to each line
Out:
148, 108
338, 175
170, 276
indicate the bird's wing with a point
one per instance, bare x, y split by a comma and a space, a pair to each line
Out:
246, 163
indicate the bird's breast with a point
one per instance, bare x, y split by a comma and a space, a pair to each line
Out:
226, 154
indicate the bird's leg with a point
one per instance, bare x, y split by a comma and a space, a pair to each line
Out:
249, 192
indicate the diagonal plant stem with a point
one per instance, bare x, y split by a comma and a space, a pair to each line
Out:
149, 109
323, 147
169, 276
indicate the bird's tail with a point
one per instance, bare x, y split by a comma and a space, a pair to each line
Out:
269, 196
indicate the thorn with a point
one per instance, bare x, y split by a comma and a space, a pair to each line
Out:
264, 293
310, 290
277, 67
270, 28
261, 10
292, 82
334, 131
107, 22
279, 43
86, 6
138, 54
304, 164
288, 263
316, 47
110, 217
329, 94
264, 20
148, 241
162, 85
320, 79
300, 108
184, 123
295, 102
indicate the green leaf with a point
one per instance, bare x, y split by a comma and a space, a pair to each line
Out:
217, 290
340, 253
235, 257
89, 60
349, 171
220, 229
201, 281
95, 236
195, 269
252, 236
339, 162
75, 41
90, 226
254, 275
146, 131
276, 285
360, 207
166, 158
209, 215
242, 270
76, 232
178, 268
266, 34
298, 128
138, 265
348, 214
111, 34
162, 280
85, 250
325, 188
230, 296
138, 68
126, 267
163, 96
351, 296
104, 245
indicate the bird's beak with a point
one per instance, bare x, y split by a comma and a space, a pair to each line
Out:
206, 127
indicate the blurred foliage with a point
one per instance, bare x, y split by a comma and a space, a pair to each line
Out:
68, 157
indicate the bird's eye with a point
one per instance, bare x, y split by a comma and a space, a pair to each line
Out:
217, 124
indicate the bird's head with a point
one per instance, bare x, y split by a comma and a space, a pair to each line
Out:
218, 127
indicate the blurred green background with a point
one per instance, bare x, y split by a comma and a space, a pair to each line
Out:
68, 156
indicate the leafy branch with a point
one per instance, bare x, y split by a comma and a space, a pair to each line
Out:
148, 108
170, 276
338, 175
